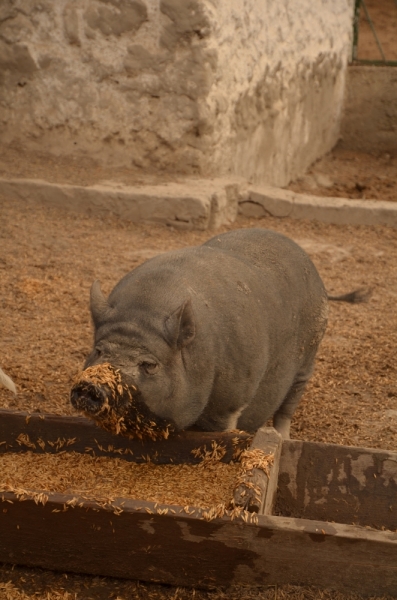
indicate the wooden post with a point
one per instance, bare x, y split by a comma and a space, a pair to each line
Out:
257, 491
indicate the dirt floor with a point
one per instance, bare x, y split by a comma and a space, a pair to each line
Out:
29, 584
48, 260
347, 174
383, 14
24, 584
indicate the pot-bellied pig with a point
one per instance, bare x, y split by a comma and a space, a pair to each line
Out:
215, 337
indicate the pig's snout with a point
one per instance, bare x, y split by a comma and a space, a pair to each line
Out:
88, 397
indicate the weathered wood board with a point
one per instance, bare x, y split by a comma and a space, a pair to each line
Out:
338, 483
183, 550
20, 432
131, 539
270, 442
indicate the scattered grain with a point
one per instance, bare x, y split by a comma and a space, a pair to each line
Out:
103, 479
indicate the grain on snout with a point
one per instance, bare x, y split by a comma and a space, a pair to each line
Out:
119, 414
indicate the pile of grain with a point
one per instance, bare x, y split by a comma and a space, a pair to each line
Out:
119, 413
104, 479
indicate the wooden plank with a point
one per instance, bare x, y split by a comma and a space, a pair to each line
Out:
176, 545
269, 441
338, 483
184, 550
21, 431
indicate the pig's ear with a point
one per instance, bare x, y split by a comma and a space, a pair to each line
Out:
179, 327
99, 305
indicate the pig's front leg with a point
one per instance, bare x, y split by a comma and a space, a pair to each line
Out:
282, 418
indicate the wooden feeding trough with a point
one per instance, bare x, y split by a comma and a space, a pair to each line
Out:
326, 515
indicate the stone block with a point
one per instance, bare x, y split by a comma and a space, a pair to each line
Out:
140, 60
187, 20
116, 16
15, 28
71, 24
16, 58
7, 10
210, 89
194, 204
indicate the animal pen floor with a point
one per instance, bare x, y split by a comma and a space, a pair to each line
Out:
48, 260
354, 175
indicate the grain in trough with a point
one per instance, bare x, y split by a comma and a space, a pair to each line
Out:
311, 511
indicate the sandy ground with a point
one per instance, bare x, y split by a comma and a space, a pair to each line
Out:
34, 584
48, 260
383, 14
347, 174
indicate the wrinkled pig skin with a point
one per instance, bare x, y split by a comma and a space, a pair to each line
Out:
219, 336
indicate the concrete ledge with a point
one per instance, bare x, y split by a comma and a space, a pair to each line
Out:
199, 203
193, 204
284, 203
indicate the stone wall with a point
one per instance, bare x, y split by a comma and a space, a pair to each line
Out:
369, 121
245, 87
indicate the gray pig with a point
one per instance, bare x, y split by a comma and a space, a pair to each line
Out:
215, 337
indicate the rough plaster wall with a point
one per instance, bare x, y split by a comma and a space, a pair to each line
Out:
248, 87
369, 122
116, 79
279, 108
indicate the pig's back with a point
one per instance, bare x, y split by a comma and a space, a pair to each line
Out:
283, 268
268, 250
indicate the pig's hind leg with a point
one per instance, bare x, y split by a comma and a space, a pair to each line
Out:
283, 416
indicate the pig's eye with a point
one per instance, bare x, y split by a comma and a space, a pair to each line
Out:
149, 367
